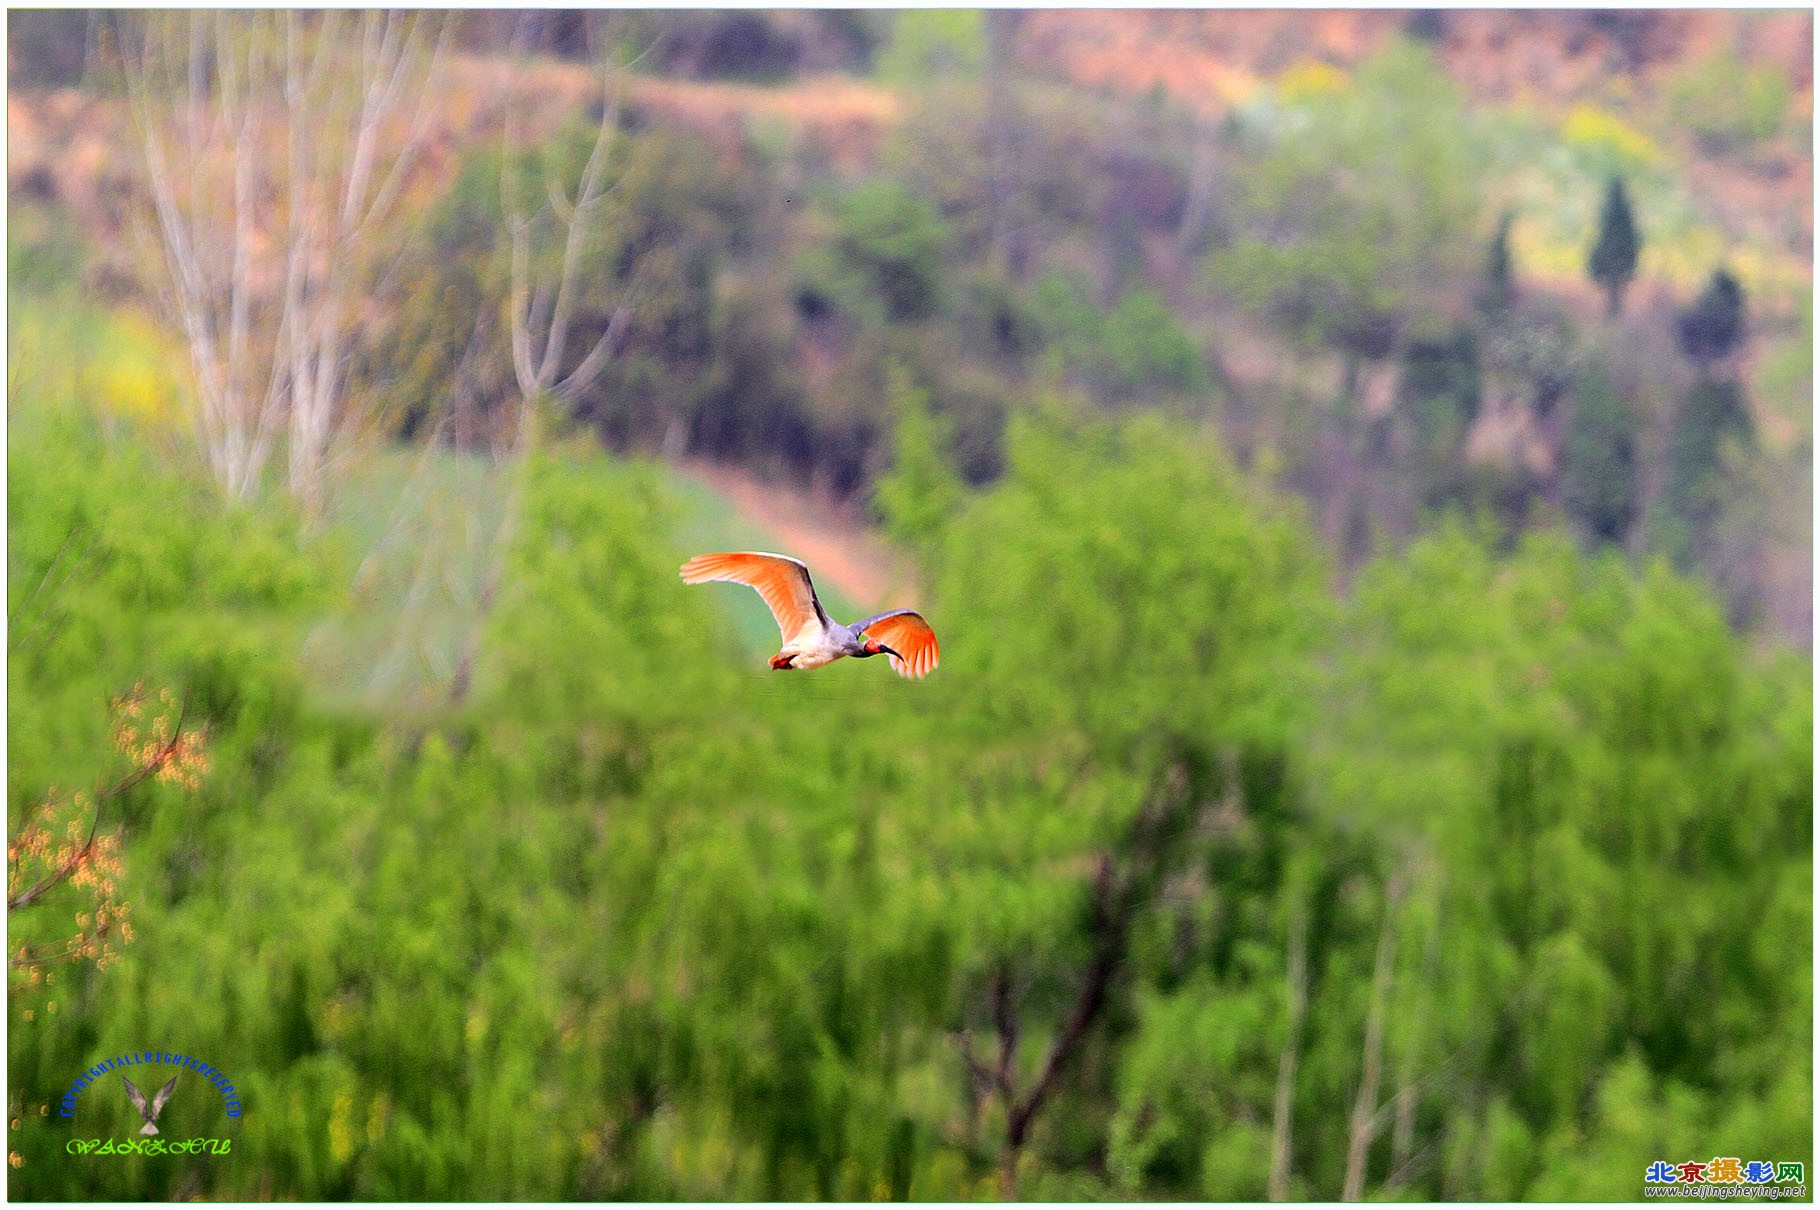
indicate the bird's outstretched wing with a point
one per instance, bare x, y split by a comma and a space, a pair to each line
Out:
137, 1098
905, 632
163, 1095
781, 581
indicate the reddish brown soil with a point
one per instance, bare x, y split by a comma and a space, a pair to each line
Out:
839, 547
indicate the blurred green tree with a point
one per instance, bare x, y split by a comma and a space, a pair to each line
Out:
1612, 261
1599, 460
1499, 287
921, 493
1438, 398
1548, 732
1714, 417
1351, 259
893, 239
1729, 104
926, 44
1713, 326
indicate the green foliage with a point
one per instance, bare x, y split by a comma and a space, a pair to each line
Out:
656, 242
920, 494
1599, 461
640, 920
1600, 795
1138, 348
1586, 723
44, 252
1604, 144
1729, 104
1146, 347
1785, 380
1140, 541
886, 246
1715, 417
1437, 401
1612, 261
1441, 380
1347, 258
928, 44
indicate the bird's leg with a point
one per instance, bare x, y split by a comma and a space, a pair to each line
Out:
781, 662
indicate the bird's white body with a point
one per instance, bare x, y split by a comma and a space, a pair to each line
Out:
810, 657
811, 648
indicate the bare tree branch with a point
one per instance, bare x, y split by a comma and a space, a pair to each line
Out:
1365, 1115
271, 159
1284, 1105
1117, 896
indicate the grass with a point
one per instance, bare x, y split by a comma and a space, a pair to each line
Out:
424, 526
421, 525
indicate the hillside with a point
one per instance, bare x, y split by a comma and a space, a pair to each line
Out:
1136, 135
1209, 62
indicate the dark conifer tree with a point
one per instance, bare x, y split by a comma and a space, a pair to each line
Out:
1499, 289
1714, 325
1613, 260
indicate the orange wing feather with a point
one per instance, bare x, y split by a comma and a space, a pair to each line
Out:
782, 582
906, 633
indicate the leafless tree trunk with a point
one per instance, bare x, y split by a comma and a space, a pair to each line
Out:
1402, 1136
541, 311
1292, 1048
1197, 207
1365, 1116
1007, 232
273, 156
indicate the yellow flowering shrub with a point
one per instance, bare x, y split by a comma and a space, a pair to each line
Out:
1311, 78
1597, 132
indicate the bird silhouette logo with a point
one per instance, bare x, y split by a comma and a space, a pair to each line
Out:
149, 1114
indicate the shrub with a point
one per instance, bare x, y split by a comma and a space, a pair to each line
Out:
1714, 325
1728, 104
1599, 460
895, 239
928, 44
1607, 143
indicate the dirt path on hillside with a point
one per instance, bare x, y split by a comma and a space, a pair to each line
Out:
838, 548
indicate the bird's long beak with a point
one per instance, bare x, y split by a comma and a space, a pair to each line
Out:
888, 651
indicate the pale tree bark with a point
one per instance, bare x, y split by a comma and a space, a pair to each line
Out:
1197, 206
1403, 1133
275, 146
541, 310
1365, 1116
1297, 981
1007, 231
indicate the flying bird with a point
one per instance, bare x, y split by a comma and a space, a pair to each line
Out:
811, 638
158, 1099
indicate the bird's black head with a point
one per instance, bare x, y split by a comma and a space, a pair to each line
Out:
871, 647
